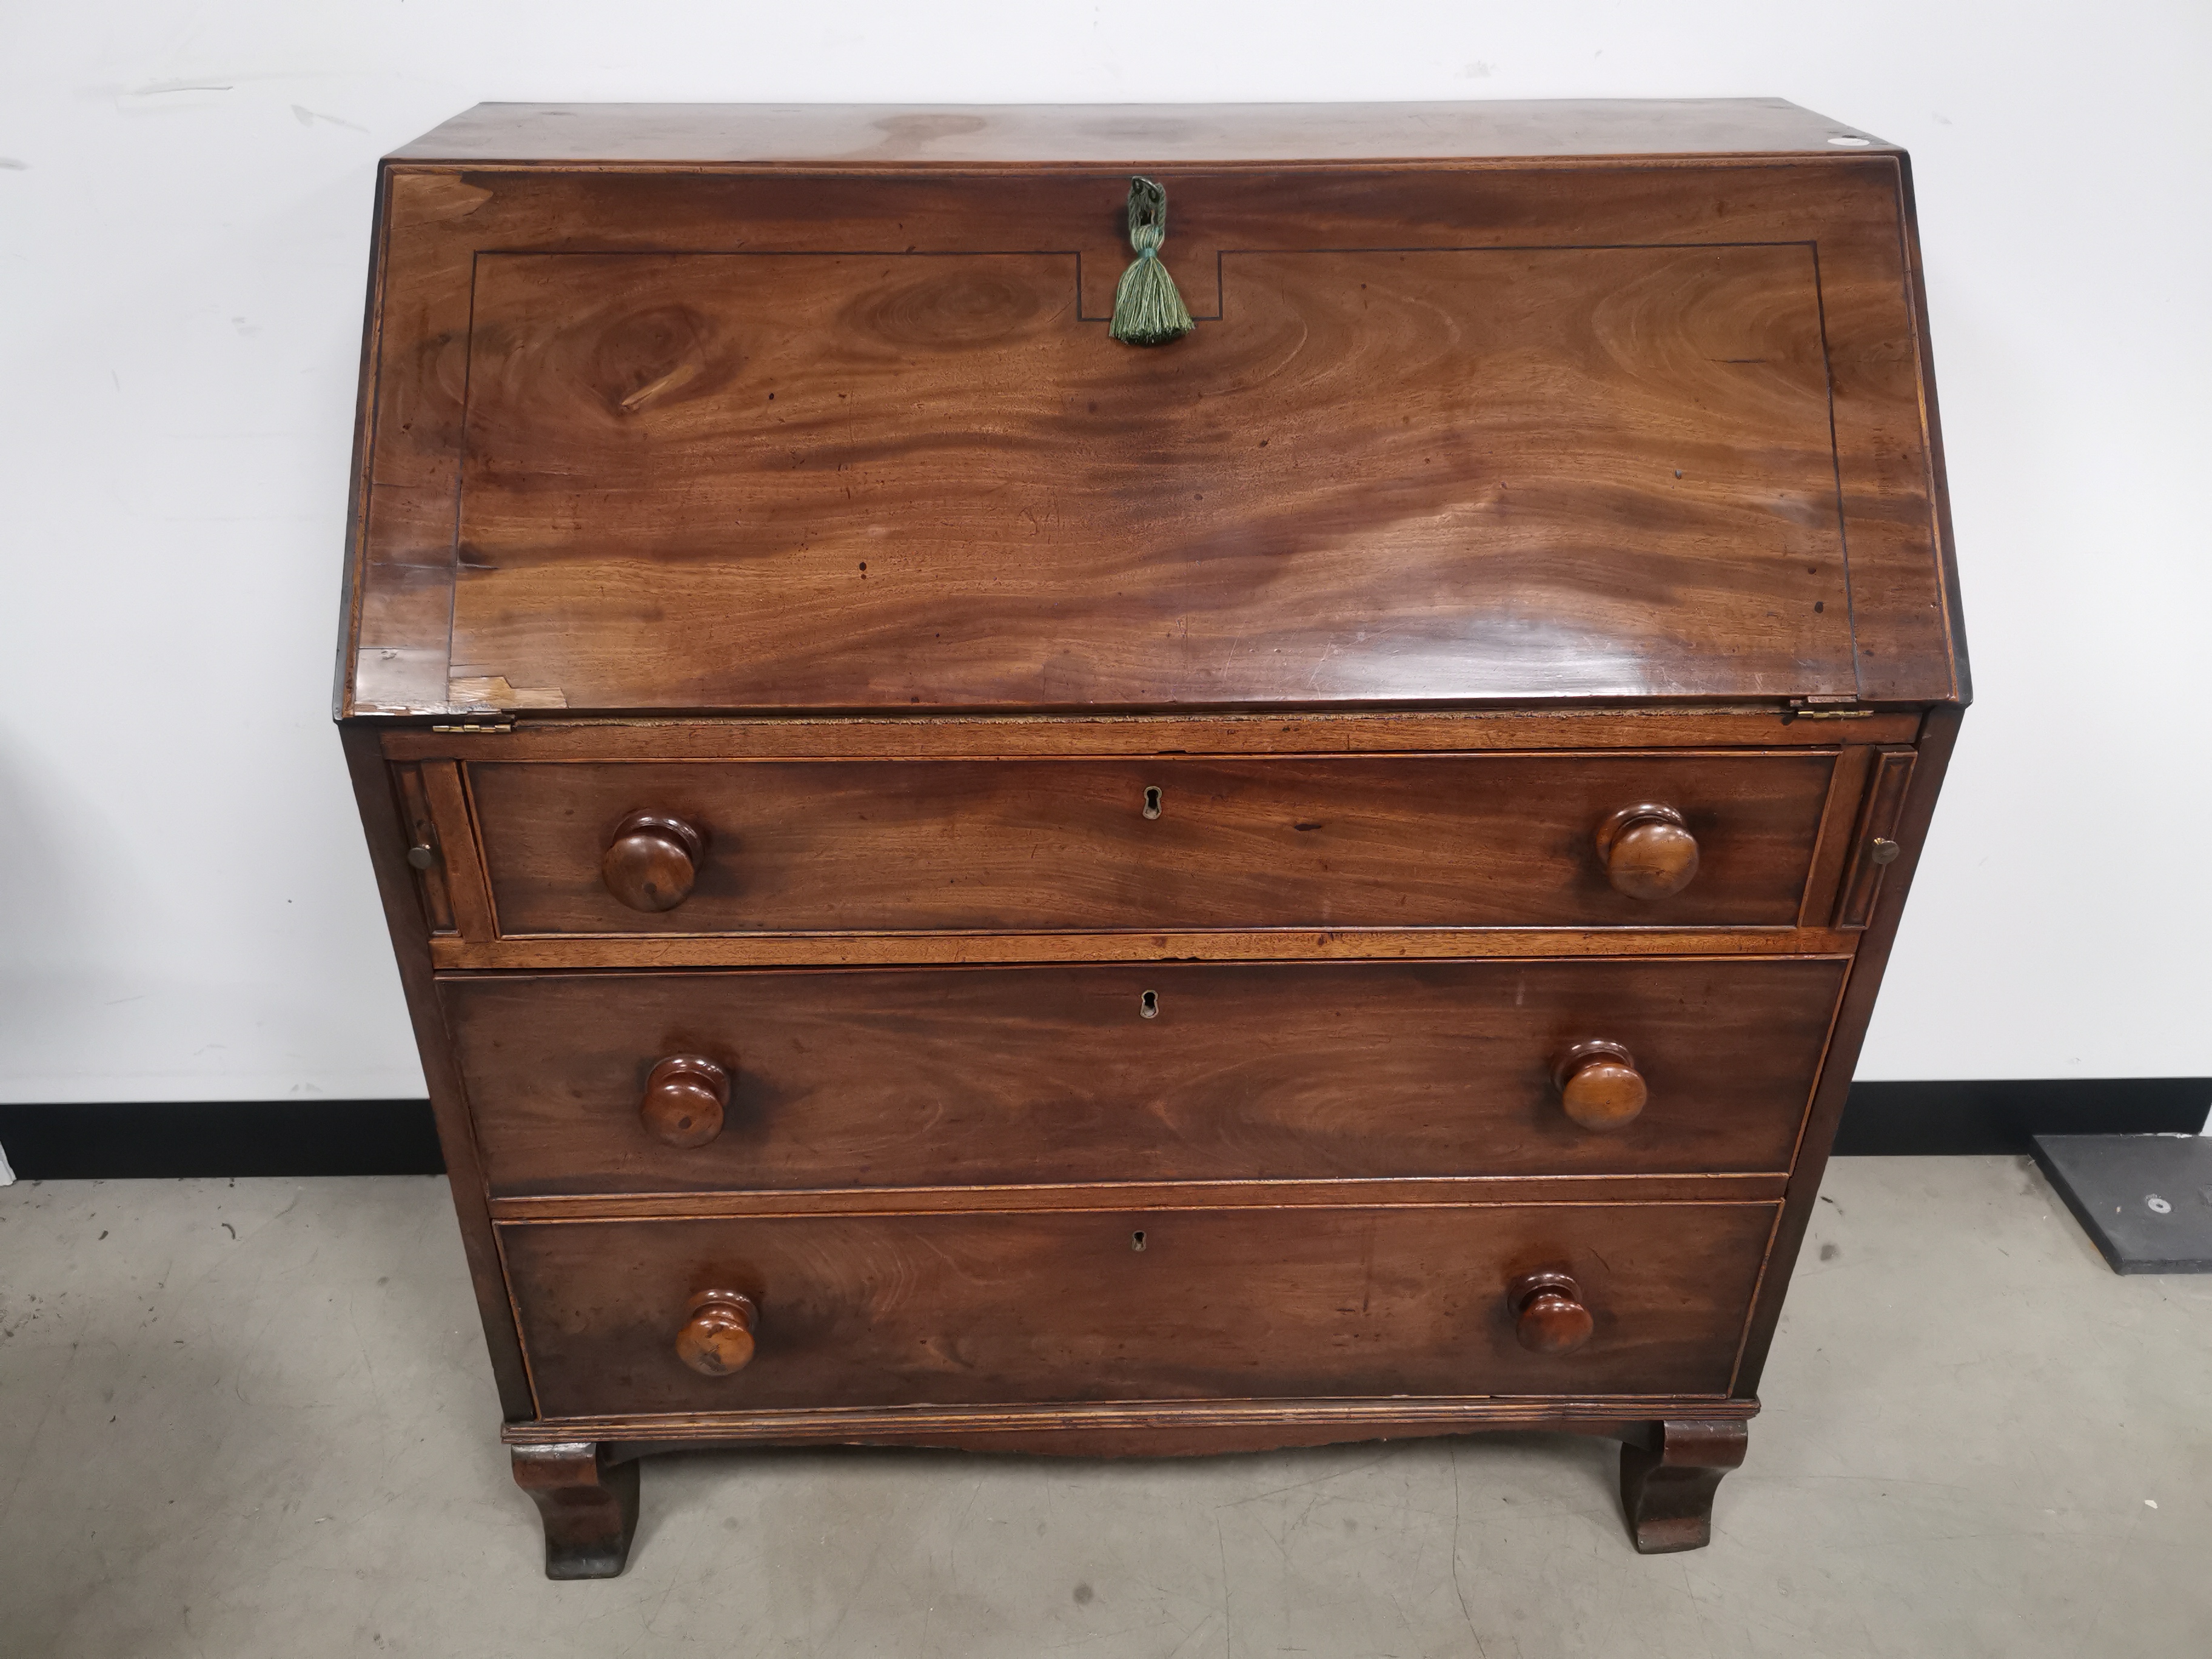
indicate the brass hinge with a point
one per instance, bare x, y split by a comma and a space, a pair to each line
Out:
508, 727
1801, 708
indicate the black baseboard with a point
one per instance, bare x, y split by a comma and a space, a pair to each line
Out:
221, 1138
1891, 1118
397, 1137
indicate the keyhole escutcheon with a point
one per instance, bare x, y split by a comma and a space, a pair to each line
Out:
1153, 801
1148, 1005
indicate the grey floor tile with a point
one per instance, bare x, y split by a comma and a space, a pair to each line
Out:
254, 1419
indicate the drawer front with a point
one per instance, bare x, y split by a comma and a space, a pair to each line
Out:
1257, 1303
957, 1076
893, 846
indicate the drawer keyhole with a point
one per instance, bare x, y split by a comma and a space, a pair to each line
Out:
1148, 1005
1152, 802
1137, 1240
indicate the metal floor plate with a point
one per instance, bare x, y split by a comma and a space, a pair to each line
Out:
2145, 1200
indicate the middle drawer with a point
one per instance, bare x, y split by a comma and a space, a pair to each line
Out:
877, 1077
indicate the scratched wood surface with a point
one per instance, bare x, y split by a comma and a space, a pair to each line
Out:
640, 319
895, 1310
1239, 1072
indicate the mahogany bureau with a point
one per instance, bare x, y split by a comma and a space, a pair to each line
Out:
979, 863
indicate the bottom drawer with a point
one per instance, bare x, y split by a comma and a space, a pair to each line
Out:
1068, 1305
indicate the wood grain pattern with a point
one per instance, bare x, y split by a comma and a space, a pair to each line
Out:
1182, 1194
980, 1077
424, 855
1874, 847
1057, 1306
588, 1503
1150, 1428
838, 481
1667, 1479
1839, 820
1413, 842
377, 799
459, 848
1931, 760
1131, 968
1008, 736
856, 950
1848, 208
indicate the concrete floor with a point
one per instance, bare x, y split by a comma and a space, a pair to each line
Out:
254, 1419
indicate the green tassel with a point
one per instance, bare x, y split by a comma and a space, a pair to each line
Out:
1147, 309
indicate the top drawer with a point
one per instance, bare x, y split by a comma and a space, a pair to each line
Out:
1453, 841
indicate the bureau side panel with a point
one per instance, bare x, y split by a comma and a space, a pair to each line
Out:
1940, 732
403, 913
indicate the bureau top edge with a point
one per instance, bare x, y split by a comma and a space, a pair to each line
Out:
1130, 135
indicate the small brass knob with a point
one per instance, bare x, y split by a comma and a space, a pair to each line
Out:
422, 855
1548, 1315
653, 860
1599, 1086
717, 1338
1648, 851
1884, 851
684, 1099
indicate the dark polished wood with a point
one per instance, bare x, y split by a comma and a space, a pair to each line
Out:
717, 1336
1549, 1316
1932, 758
1541, 548
1648, 851
1263, 1193
587, 1502
423, 856
1177, 1428
384, 824
1600, 1086
1414, 841
1038, 1306
685, 1096
961, 885
560, 951
1668, 1475
651, 860
1604, 467
973, 1076
543, 736
1877, 846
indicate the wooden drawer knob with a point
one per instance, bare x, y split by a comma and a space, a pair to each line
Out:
1548, 1312
652, 860
717, 1338
684, 1099
1648, 851
1600, 1086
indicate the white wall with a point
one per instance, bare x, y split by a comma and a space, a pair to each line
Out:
184, 222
